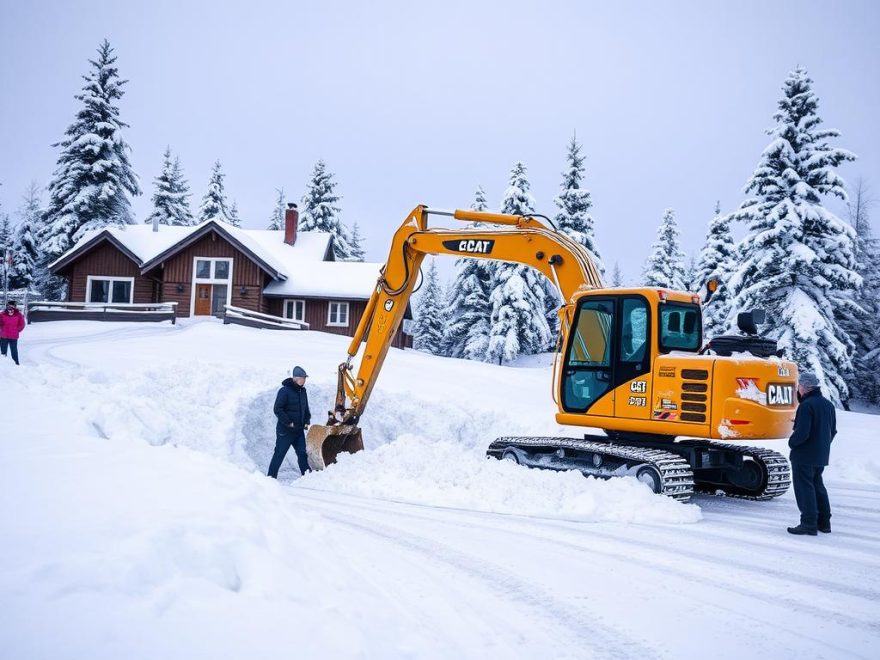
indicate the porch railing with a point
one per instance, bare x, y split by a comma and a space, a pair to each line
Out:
50, 310
241, 316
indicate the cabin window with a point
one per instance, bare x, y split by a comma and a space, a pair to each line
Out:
109, 290
337, 314
295, 309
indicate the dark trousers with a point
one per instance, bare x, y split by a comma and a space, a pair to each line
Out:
13, 346
283, 440
811, 495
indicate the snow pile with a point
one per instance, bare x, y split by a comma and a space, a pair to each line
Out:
412, 469
854, 451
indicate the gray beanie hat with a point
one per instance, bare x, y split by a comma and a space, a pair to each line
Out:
808, 380
299, 372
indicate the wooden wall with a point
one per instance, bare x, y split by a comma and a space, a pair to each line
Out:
106, 260
317, 313
245, 273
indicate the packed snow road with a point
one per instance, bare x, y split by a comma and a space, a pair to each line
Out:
137, 520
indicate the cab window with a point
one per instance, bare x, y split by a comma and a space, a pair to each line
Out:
587, 373
680, 327
634, 330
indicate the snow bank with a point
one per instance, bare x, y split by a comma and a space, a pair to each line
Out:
444, 474
854, 455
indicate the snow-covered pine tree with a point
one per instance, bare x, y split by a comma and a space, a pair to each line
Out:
6, 233
616, 276
182, 193
26, 253
862, 328
797, 260
468, 312
428, 327
690, 272
6, 240
665, 266
320, 212
518, 321
93, 179
276, 220
717, 262
574, 204
234, 220
357, 250
214, 204
170, 204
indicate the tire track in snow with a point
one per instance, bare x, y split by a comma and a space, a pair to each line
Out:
671, 568
46, 347
611, 642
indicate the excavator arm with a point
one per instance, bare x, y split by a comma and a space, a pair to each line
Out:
517, 239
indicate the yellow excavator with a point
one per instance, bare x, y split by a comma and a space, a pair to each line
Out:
629, 361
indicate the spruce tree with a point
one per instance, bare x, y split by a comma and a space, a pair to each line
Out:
616, 276
170, 204
717, 262
357, 250
574, 204
6, 240
428, 329
665, 266
276, 220
234, 220
181, 191
6, 233
468, 312
321, 213
214, 204
26, 253
862, 327
518, 321
797, 260
93, 179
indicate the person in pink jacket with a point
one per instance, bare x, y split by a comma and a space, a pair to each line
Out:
11, 325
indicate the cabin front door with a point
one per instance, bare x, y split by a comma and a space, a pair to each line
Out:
203, 300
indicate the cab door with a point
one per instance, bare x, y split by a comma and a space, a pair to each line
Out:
588, 366
633, 360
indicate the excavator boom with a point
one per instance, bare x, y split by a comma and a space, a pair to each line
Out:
519, 239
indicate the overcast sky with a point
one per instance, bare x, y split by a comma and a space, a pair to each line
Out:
418, 102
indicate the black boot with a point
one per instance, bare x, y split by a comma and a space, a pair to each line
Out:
825, 527
800, 530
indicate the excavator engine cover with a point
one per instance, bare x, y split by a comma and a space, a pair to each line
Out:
324, 443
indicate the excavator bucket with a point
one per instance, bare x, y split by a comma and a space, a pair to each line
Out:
324, 443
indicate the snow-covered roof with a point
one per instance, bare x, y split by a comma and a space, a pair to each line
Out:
327, 279
267, 246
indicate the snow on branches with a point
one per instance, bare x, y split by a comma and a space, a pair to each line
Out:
665, 265
797, 260
93, 179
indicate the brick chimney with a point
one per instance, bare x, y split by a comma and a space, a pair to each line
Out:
291, 220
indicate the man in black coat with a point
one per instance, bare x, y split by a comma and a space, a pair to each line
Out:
292, 409
815, 426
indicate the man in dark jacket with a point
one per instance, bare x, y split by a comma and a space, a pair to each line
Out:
815, 426
292, 410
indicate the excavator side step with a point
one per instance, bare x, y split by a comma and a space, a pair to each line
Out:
663, 471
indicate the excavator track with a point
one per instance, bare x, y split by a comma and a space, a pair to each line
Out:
774, 466
674, 476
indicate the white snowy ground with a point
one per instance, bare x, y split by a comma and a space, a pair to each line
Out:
136, 521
